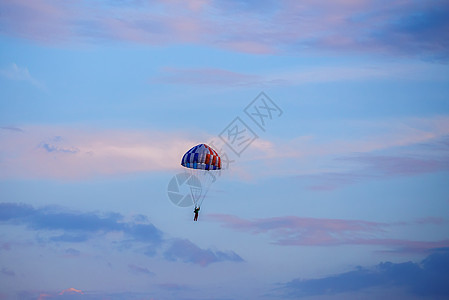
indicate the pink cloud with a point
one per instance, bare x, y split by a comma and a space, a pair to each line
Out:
392, 148
40, 20
378, 167
66, 292
295, 226
71, 291
43, 296
298, 231
278, 27
65, 153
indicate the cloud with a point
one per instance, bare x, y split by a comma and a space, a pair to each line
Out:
37, 20
140, 270
424, 29
426, 279
73, 154
299, 231
14, 72
174, 287
299, 75
77, 227
81, 227
5, 246
43, 296
186, 251
66, 153
376, 150
412, 28
72, 252
70, 238
71, 291
211, 77
421, 158
11, 128
53, 146
401, 165
7, 272
399, 28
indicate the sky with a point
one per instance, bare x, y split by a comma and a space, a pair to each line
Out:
331, 119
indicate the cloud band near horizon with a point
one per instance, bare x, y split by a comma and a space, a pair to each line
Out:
410, 147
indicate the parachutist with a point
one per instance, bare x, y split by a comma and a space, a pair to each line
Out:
201, 162
197, 209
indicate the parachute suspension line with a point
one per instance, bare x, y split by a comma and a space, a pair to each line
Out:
206, 182
200, 183
195, 185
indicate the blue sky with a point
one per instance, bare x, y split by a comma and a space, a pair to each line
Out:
343, 192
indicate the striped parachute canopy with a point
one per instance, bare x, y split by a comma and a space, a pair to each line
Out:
201, 157
199, 162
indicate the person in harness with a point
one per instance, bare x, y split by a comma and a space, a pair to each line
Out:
197, 209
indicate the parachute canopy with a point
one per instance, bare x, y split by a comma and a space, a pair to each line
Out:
201, 157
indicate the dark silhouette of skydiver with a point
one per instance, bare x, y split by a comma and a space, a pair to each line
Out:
197, 209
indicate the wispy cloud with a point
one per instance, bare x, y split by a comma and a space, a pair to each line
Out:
11, 128
55, 145
300, 75
211, 77
399, 28
14, 72
70, 252
139, 270
299, 231
426, 279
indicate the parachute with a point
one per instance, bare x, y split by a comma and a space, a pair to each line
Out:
201, 162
